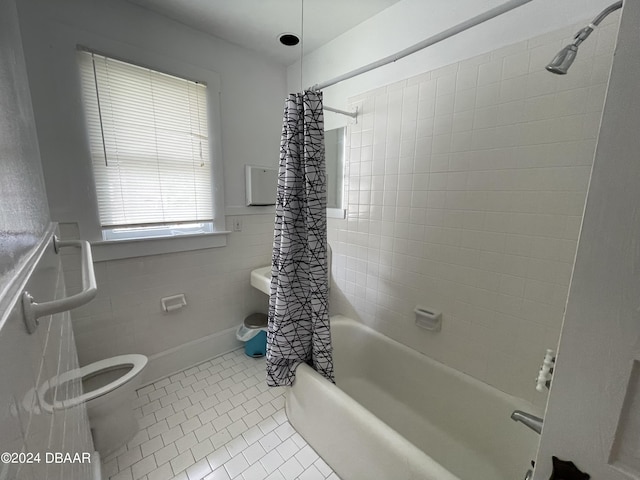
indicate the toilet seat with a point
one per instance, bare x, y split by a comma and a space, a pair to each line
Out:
137, 361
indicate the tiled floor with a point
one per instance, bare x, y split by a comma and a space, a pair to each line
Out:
215, 421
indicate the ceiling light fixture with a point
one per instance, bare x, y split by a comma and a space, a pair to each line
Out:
288, 39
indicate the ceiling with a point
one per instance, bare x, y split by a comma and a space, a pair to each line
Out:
257, 24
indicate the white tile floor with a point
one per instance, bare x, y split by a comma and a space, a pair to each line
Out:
215, 421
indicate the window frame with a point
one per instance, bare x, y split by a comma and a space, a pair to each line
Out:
90, 226
173, 108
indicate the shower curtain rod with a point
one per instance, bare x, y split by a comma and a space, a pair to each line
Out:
450, 32
342, 112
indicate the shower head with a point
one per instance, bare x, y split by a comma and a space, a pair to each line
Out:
563, 60
565, 57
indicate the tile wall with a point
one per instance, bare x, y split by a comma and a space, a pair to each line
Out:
27, 423
29, 361
466, 188
126, 316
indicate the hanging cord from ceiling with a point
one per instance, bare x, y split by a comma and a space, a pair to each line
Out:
301, 41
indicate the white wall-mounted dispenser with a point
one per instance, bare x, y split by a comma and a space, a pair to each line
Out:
428, 319
261, 185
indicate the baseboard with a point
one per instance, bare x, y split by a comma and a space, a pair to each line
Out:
189, 354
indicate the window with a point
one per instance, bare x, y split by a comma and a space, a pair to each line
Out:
148, 140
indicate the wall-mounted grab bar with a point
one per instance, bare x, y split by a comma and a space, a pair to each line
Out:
33, 310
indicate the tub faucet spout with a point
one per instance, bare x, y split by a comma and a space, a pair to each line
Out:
531, 421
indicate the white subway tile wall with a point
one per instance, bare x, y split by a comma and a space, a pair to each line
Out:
466, 187
215, 421
27, 424
126, 316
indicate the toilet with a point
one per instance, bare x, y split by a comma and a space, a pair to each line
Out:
109, 389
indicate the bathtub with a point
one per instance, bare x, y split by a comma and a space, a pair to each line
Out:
397, 414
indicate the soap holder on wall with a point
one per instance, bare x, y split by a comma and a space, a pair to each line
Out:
428, 319
174, 302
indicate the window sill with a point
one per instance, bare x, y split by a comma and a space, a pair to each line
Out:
141, 247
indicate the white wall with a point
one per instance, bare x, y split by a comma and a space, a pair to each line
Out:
411, 21
126, 316
466, 187
28, 361
31, 362
252, 91
24, 214
592, 417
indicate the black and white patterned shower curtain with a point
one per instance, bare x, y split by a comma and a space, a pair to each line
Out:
298, 305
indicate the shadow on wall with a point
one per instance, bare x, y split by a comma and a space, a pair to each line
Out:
339, 304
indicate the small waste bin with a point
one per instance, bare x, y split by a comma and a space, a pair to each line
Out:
253, 332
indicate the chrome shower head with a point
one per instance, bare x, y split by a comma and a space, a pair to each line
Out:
563, 60
565, 57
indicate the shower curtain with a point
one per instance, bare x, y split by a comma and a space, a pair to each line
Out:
298, 305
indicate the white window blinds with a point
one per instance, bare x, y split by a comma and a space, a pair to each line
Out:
149, 145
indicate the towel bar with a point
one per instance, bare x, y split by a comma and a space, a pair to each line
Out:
33, 310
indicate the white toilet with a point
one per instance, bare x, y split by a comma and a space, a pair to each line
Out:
109, 390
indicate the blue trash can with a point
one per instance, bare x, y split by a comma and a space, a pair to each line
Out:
257, 346
253, 332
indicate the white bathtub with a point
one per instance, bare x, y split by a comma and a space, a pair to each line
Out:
397, 414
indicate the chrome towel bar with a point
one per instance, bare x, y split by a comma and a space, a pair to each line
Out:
33, 310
